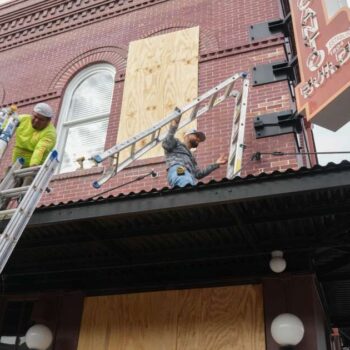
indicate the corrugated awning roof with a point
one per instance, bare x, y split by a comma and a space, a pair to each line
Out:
276, 175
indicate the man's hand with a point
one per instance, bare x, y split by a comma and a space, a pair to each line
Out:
221, 160
176, 121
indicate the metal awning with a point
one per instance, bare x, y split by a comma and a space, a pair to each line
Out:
211, 234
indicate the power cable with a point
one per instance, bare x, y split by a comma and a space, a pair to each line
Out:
257, 155
141, 177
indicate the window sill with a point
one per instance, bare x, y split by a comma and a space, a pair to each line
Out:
99, 170
146, 162
78, 173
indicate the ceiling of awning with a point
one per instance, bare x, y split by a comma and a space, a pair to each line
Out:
211, 234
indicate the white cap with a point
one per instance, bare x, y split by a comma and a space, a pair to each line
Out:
43, 109
200, 134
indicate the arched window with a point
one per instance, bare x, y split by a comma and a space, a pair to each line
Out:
84, 117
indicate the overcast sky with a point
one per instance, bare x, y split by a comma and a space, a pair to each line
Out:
329, 141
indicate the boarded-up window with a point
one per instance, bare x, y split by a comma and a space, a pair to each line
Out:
162, 73
227, 318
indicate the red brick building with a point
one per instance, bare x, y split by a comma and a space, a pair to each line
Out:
76, 247
68, 37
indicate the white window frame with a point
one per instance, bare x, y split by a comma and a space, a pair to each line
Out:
64, 124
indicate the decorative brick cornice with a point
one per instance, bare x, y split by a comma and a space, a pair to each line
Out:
34, 99
10, 4
16, 9
60, 17
114, 55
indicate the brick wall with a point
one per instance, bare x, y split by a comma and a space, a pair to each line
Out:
44, 45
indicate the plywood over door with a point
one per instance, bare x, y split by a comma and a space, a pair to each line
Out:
161, 73
227, 318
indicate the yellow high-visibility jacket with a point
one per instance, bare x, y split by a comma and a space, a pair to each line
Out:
33, 145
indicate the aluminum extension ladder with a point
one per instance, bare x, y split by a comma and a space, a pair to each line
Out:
234, 163
157, 133
19, 217
8, 123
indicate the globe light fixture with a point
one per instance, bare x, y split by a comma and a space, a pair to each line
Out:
287, 330
38, 337
277, 263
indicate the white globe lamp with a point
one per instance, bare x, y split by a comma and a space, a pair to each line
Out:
39, 337
277, 263
287, 330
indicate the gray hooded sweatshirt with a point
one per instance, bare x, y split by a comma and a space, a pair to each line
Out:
177, 153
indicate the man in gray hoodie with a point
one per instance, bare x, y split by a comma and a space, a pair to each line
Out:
181, 163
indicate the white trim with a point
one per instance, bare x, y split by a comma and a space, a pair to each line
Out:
84, 120
63, 122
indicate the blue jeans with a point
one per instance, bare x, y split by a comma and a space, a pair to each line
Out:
180, 180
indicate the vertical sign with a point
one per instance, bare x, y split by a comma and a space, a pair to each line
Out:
322, 35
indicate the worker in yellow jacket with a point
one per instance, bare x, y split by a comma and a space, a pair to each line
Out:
35, 136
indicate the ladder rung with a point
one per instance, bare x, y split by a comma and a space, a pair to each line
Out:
212, 100
235, 135
229, 89
115, 160
237, 114
27, 171
232, 156
219, 100
7, 214
13, 192
155, 134
194, 111
132, 149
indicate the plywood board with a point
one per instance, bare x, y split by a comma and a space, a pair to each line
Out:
227, 318
162, 73
95, 329
146, 322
